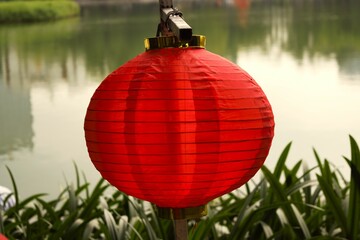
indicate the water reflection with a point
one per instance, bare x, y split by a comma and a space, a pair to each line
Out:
350, 66
48, 71
16, 118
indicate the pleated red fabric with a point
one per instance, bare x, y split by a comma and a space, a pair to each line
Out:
178, 127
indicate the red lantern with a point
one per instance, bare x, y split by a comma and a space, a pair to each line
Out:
2, 237
178, 126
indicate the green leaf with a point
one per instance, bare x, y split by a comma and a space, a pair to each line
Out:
140, 211
73, 200
50, 210
16, 193
301, 222
267, 230
62, 229
298, 186
89, 228
245, 206
282, 217
281, 161
134, 232
318, 160
113, 229
354, 196
334, 203
277, 188
92, 202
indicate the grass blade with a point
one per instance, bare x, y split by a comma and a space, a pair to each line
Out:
276, 187
16, 193
141, 213
301, 222
281, 161
243, 209
334, 203
354, 196
113, 230
267, 230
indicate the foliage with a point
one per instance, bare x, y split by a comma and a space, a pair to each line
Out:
288, 203
30, 11
108, 36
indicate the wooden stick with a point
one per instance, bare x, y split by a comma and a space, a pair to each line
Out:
166, 3
172, 23
181, 229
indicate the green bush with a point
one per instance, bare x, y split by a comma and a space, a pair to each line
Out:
288, 203
31, 11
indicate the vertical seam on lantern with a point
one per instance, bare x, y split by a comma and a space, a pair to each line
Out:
187, 82
140, 70
212, 92
186, 107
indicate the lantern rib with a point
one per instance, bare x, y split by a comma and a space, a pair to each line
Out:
152, 98
198, 142
234, 177
202, 98
163, 111
184, 173
179, 154
178, 110
168, 89
154, 66
198, 121
170, 164
184, 180
196, 79
176, 99
185, 153
177, 182
176, 132
190, 153
180, 189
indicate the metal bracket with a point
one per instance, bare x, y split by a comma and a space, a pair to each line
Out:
172, 23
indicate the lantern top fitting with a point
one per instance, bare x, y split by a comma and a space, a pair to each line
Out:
196, 41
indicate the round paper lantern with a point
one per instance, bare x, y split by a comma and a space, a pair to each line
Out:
178, 126
2, 237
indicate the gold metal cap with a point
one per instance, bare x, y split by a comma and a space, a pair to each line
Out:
182, 213
197, 41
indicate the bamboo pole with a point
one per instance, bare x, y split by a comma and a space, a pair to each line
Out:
181, 229
166, 3
172, 23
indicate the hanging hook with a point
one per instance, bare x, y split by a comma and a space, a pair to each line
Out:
172, 23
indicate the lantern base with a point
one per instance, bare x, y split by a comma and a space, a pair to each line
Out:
182, 213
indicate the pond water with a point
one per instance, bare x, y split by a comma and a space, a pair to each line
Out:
304, 54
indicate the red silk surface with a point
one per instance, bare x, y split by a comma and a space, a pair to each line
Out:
2, 237
178, 127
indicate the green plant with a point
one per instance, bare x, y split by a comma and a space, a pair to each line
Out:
30, 11
81, 213
288, 203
